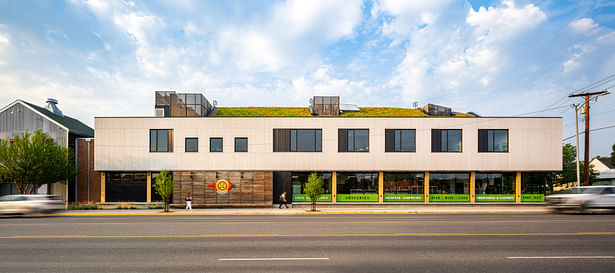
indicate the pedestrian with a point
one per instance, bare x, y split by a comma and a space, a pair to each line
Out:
189, 202
283, 200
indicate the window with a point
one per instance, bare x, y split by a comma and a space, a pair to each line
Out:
297, 140
494, 183
446, 140
215, 144
399, 140
192, 144
353, 140
492, 141
241, 144
161, 140
126, 187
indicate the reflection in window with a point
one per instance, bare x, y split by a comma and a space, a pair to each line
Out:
192, 144
241, 144
446, 140
357, 183
403, 183
299, 179
449, 183
353, 140
493, 140
533, 183
399, 140
160, 140
297, 140
494, 183
215, 144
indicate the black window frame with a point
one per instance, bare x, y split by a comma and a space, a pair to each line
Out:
186, 144
483, 141
283, 140
241, 138
390, 139
343, 140
436, 141
221, 145
169, 133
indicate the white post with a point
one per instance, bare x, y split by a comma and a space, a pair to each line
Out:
576, 117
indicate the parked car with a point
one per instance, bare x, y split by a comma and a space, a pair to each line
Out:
30, 204
583, 199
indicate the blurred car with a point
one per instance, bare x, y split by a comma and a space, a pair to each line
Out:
30, 204
583, 199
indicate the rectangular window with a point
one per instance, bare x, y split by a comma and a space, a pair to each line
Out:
446, 140
192, 144
353, 140
215, 144
160, 140
493, 140
241, 144
357, 187
449, 187
399, 140
297, 140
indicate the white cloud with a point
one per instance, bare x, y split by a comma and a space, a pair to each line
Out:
504, 22
585, 26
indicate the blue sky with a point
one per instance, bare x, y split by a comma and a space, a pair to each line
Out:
495, 58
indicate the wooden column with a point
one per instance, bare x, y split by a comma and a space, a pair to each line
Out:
472, 187
333, 187
518, 188
426, 189
102, 187
380, 187
148, 198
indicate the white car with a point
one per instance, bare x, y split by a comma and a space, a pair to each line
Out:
583, 199
30, 204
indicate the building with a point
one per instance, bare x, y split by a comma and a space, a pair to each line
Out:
21, 116
605, 169
247, 156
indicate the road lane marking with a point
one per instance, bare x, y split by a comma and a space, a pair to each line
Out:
274, 259
564, 257
308, 235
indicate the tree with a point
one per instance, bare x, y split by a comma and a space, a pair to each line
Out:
313, 189
613, 156
33, 160
569, 168
164, 187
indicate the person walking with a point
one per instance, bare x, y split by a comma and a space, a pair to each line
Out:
189, 202
283, 200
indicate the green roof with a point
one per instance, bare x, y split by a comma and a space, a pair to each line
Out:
305, 112
72, 124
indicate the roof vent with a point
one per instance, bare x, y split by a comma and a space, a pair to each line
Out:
52, 106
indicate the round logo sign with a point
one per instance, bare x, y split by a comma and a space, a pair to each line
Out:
223, 186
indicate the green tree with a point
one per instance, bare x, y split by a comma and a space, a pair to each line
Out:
613, 156
569, 169
313, 189
33, 160
164, 187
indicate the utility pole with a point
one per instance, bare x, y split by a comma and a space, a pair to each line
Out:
587, 98
576, 118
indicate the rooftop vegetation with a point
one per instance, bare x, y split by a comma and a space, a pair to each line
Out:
305, 112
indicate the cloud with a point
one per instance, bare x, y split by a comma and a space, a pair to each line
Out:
585, 26
505, 22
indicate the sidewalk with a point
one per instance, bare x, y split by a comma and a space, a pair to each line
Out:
284, 211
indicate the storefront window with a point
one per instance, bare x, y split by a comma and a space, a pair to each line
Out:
299, 179
495, 187
126, 187
357, 187
449, 187
533, 187
403, 187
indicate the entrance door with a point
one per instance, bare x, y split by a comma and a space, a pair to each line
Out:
282, 183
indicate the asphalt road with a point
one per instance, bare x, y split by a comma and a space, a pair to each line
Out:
309, 243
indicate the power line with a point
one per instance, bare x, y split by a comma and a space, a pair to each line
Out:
597, 129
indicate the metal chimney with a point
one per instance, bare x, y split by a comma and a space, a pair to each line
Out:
52, 106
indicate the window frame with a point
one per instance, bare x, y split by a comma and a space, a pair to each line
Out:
439, 140
186, 144
241, 138
486, 139
344, 139
221, 144
169, 141
390, 135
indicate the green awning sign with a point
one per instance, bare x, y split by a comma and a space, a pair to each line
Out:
403, 198
449, 198
495, 198
532, 197
303, 198
357, 197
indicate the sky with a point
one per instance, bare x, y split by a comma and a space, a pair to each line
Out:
494, 58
